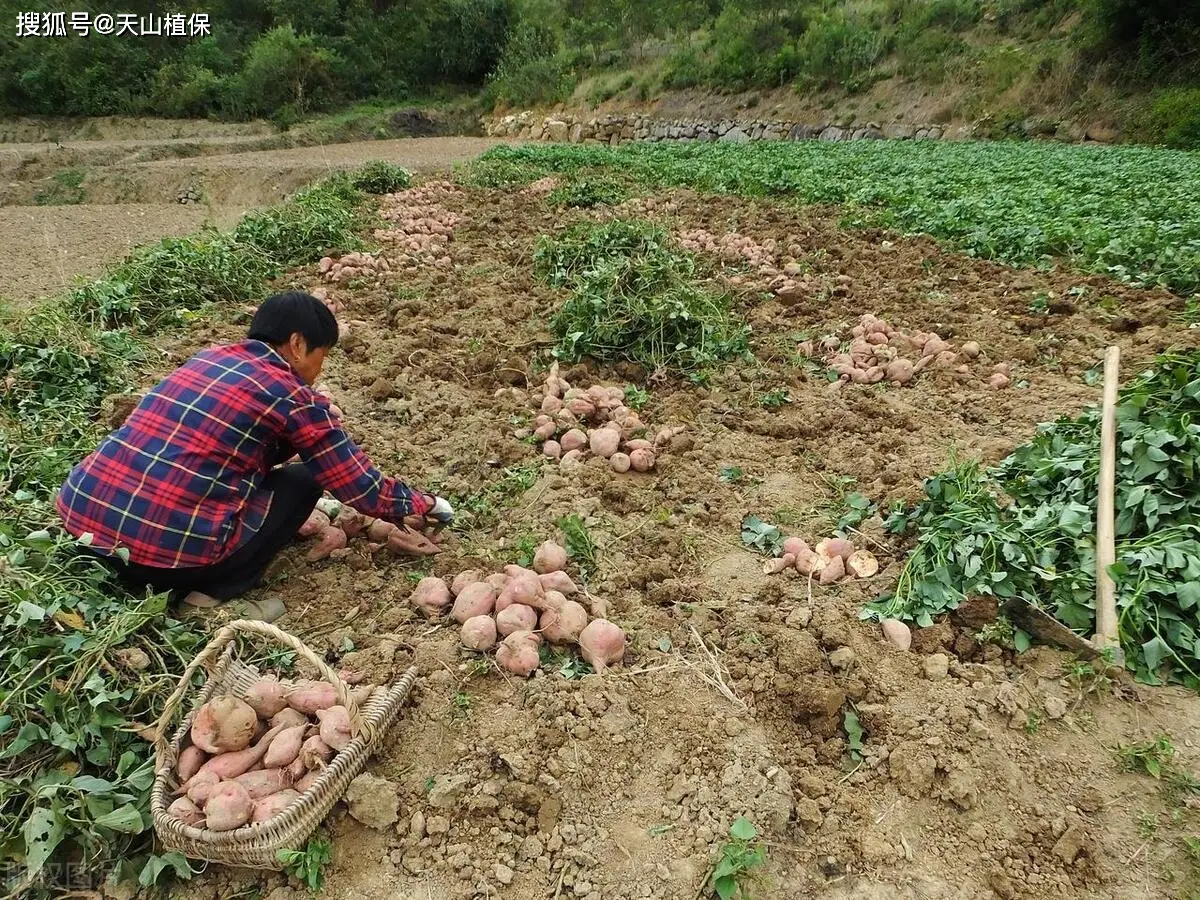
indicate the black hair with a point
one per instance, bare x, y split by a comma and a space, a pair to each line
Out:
282, 315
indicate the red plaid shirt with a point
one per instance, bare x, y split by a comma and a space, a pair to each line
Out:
178, 485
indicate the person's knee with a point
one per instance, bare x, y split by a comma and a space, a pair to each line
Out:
303, 484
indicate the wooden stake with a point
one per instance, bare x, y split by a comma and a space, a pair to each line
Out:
1106, 554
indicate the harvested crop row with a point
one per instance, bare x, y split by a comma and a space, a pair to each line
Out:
617, 435
515, 610
878, 352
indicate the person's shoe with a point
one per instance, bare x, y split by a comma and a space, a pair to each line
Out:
201, 601
267, 609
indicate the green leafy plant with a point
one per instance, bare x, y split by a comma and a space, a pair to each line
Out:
634, 296
308, 865
65, 188
636, 397
567, 663
856, 508
586, 192
1149, 757
740, 856
762, 536
1027, 528
854, 733
381, 177
774, 399
579, 544
731, 474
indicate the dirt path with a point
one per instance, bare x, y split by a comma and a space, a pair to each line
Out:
982, 775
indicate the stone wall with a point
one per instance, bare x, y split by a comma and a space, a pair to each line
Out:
616, 129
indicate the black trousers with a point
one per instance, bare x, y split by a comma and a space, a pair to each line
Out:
295, 493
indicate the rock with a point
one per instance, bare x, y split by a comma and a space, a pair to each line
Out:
373, 801
1056, 707
735, 136
975, 612
799, 617
1072, 845
447, 789
897, 633
937, 666
416, 826
503, 873
841, 658
557, 130
531, 848
438, 825
912, 767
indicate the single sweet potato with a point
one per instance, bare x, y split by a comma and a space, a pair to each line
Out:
475, 600
201, 785
285, 748
336, 729
223, 724
549, 557
516, 617
479, 633
558, 581
564, 624
315, 752
189, 812
288, 717
270, 807
329, 538
431, 596
191, 758
228, 807
518, 653
602, 644
462, 579
264, 782
312, 526
310, 696
351, 521
267, 697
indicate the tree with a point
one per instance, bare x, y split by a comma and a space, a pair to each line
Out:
283, 67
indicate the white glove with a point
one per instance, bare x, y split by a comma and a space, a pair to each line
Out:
442, 512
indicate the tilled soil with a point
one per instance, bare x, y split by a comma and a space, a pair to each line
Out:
982, 775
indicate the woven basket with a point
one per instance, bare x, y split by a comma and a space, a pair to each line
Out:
255, 845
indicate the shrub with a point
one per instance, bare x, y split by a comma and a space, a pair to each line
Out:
838, 50
684, 69
634, 297
381, 177
532, 71
1172, 118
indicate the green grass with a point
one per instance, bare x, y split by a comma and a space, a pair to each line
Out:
65, 188
1130, 212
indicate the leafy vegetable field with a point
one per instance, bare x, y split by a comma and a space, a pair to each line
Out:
1131, 212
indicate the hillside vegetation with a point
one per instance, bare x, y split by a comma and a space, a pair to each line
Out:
1012, 65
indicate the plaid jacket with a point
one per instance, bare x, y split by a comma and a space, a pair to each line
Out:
178, 485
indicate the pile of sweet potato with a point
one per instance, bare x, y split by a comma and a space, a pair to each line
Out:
421, 228
333, 525
878, 352
249, 758
520, 608
352, 265
575, 421
833, 560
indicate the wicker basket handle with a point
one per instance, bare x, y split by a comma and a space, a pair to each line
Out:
207, 659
